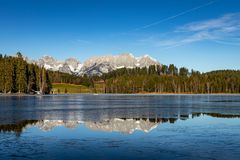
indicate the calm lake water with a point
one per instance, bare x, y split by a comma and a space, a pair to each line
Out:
120, 127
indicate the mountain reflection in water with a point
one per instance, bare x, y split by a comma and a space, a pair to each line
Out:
122, 125
181, 127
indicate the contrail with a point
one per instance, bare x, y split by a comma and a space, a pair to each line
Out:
175, 16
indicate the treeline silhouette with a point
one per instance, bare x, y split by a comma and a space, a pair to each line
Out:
170, 79
16, 128
17, 76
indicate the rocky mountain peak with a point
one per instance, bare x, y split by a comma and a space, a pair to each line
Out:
127, 126
96, 65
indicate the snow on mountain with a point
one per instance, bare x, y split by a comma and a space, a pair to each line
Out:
96, 65
127, 126
104, 64
70, 65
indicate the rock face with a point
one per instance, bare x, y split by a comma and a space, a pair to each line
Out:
127, 126
47, 125
105, 64
96, 65
71, 65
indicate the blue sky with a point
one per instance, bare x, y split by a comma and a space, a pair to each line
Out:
199, 34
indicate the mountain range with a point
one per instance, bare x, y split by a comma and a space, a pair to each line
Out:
127, 126
95, 65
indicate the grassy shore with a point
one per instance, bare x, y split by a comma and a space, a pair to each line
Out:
70, 88
73, 88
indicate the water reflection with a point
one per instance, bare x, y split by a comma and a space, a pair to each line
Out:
119, 113
99, 107
122, 125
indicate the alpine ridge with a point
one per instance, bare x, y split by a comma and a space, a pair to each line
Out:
95, 65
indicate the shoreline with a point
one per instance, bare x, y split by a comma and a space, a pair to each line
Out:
153, 93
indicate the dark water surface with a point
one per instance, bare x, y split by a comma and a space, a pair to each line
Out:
120, 127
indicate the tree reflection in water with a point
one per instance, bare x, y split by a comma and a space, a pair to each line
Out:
123, 125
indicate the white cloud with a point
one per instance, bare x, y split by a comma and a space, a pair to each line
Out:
216, 30
226, 21
181, 41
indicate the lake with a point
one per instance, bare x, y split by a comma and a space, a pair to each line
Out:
120, 127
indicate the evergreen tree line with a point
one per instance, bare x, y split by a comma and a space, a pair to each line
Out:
170, 79
17, 76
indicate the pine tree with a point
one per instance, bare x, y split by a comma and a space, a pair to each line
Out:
183, 71
2, 67
8, 75
48, 86
32, 79
164, 69
21, 74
